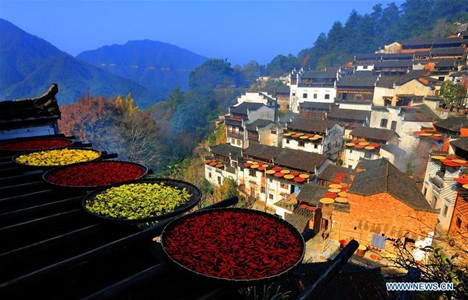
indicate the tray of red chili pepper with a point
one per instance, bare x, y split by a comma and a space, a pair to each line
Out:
34, 144
95, 174
233, 245
142, 200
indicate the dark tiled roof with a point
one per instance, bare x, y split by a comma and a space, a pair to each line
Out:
282, 89
461, 143
369, 164
225, 150
242, 108
386, 178
262, 152
452, 123
311, 194
448, 62
374, 133
289, 158
42, 108
397, 56
448, 51
393, 64
388, 81
259, 123
315, 105
410, 76
448, 41
352, 282
288, 117
340, 114
379, 108
417, 43
310, 125
356, 80
330, 171
420, 113
319, 75
299, 218
300, 160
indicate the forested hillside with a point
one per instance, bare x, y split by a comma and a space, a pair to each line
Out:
369, 32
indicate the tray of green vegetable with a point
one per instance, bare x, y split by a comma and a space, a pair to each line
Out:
142, 201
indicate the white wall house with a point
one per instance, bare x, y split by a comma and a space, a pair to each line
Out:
311, 86
404, 121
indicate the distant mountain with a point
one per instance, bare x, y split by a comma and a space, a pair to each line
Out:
28, 66
155, 65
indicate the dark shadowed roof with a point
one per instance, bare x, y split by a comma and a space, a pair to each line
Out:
262, 152
319, 75
393, 64
285, 157
310, 125
330, 173
356, 81
225, 150
448, 51
386, 178
299, 218
368, 56
374, 133
259, 123
311, 193
452, 123
388, 81
30, 110
282, 89
369, 164
300, 160
461, 143
315, 105
420, 113
397, 56
341, 114
242, 108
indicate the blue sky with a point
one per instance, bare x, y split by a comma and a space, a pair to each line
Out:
237, 30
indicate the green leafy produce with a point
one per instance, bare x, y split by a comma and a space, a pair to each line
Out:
137, 200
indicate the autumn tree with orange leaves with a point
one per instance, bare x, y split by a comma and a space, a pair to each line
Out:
114, 125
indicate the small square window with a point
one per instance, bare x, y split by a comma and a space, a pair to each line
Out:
304, 95
315, 96
327, 96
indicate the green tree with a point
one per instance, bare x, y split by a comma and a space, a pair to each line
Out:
453, 93
213, 73
282, 64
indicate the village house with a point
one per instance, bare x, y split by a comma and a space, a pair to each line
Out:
316, 136
358, 87
382, 201
282, 93
311, 86
404, 120
439, 187
241, 115
404, 90
222, 163
367, 143
350, 118
258, 97
264, 132
270, 174
315, 110
458, 230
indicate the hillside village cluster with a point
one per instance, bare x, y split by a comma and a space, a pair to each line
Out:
365, 151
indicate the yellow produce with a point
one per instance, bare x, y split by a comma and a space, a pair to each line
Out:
58, 157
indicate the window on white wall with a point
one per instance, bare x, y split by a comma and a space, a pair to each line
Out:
327, 96
393, 126
444, 211
304, 95
383, 123
315, 96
